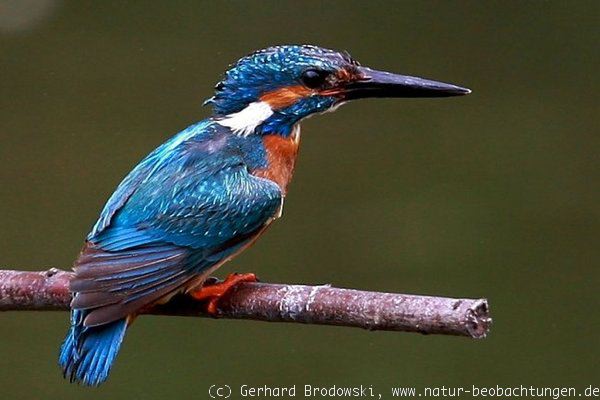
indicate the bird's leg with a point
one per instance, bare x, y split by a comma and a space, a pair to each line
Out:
213, 292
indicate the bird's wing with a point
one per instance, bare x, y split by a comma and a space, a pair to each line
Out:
200, 201
183, 217
157, 159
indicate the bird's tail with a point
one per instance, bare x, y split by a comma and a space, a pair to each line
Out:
88, 353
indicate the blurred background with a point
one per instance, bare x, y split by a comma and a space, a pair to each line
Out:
491, 195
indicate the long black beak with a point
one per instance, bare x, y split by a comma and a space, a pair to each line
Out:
385, 84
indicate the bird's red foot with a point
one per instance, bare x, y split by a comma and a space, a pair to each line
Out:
214, 291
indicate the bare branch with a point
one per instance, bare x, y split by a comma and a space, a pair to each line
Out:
323, 305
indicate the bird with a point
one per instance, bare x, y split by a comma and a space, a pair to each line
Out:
207, 194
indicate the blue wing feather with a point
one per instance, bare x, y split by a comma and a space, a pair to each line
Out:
153, 161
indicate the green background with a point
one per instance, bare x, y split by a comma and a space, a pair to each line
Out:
491, 195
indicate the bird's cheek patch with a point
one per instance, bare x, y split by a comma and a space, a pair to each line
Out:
286, 96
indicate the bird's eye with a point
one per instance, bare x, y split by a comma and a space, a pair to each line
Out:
314, 78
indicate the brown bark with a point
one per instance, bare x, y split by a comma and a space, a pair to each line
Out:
322, 305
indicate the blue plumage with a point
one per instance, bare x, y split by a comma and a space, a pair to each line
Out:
208, 192
89, 361
186, 207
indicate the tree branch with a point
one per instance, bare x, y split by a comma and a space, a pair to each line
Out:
323, 305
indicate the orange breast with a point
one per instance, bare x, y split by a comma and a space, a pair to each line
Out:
281, 157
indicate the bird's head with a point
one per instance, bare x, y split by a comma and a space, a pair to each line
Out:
270, 90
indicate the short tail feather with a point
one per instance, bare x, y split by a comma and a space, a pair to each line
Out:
88, 353
109, 288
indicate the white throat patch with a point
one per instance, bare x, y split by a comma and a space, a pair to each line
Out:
244, 122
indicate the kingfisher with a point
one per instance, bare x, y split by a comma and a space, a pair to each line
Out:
208, 193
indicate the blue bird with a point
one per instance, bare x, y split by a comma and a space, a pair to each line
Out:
208, 193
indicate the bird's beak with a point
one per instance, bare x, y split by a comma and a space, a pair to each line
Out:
375, 83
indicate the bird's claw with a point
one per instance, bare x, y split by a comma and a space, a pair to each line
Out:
213, 290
